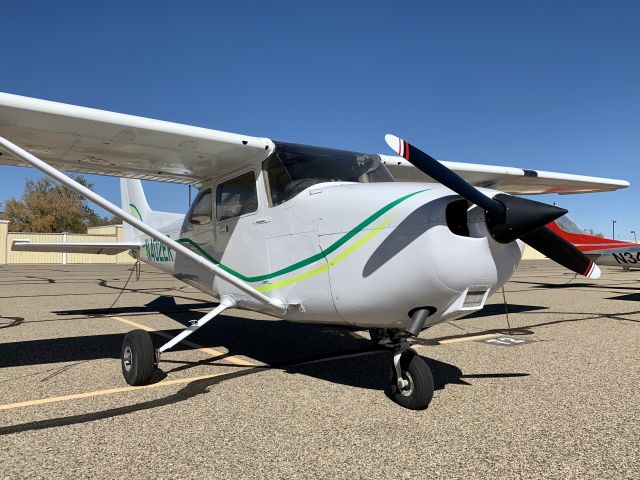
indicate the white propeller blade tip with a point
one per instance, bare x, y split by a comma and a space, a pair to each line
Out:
595, 272
394, 142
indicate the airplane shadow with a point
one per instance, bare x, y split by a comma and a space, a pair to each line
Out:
569, 284
164, 304
320, 352
499, 309
7, 322
630, 297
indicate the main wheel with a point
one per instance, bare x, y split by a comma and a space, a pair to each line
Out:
417, 389
138, 357
376, 334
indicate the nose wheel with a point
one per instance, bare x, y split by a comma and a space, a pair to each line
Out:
410, 380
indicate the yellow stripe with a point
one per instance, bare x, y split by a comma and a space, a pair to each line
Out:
211, 351
110, 391
323, 268
164, 383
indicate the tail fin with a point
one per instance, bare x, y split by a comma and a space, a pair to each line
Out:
135, 202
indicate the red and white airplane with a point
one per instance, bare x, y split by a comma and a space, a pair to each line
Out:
603, 251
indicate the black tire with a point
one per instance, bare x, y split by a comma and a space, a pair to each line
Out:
420, 390
138, 358
376, 335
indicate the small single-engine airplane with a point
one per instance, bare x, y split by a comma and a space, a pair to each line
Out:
307, 234
603, 251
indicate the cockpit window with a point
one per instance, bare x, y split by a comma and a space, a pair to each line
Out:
293, 168
236, 197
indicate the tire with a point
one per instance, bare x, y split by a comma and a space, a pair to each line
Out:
376, 334
138, 358
420, 391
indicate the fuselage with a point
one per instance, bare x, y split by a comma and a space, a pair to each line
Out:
357, 254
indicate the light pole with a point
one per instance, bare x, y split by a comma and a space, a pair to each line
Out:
613, 223
634, 236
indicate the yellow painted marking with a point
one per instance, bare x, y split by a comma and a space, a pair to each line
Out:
164, 383
210, 351
110, 391
331, 263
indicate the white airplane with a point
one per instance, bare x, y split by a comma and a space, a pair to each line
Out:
307, 234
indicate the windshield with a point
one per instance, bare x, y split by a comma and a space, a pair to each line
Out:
293, 168
568, 225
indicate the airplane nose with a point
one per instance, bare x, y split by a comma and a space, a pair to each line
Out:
461, 262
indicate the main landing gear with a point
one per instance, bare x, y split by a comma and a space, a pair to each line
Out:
139, 359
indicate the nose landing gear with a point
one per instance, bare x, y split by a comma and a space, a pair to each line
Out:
410, 380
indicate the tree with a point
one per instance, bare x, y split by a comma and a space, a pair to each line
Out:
47, 206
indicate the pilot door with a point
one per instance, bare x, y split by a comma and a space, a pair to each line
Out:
225, 225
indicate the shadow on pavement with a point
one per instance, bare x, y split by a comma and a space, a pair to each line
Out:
320, 352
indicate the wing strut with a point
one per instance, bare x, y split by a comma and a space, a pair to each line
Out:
276, 304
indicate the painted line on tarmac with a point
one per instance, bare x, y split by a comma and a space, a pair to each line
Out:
110, 391
210, 351
164, 383
179, 381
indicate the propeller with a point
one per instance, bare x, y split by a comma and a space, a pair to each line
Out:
508, 218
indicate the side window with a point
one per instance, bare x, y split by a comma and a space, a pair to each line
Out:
236, 197
202, 210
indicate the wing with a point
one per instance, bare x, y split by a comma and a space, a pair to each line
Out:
512, 180
86, 140
105, 248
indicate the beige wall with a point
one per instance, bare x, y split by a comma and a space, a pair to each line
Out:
33, 257
4, 227
531, 254
111, 233
106, 230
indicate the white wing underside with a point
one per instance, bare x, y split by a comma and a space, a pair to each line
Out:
516, 181
87, 140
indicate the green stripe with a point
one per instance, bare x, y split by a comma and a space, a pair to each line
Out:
137, 211
307, 261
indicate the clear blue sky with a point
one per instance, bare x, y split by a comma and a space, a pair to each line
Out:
551, 85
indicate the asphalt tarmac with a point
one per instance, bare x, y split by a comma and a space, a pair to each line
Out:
555, 397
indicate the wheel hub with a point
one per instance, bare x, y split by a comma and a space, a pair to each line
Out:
127, 358
405, 384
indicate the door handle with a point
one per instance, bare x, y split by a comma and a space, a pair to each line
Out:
263, 220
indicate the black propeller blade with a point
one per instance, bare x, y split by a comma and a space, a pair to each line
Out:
443, 175
562, 252
508, 218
